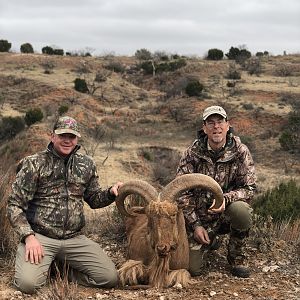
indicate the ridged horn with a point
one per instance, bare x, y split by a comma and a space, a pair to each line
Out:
191, 181
140, 187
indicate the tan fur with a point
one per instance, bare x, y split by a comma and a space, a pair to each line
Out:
158, 239
145, 266
132, 272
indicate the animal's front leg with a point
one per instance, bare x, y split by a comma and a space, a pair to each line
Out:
181, 276
133, 272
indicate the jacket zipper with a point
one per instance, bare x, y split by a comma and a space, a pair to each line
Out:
67, 200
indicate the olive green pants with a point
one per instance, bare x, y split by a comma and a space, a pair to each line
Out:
238, 216
88, 264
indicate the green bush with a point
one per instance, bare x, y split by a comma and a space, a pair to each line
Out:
48, 50
147, 67
282, 202
143, 54
215, 54
10, 127
63, 109
80, 85
26, 48
233, 53
33, 115
4, 46
170, 66
290, 137
237, 54
58, 52
194, 88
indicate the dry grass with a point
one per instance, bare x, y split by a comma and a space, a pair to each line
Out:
60, 288
288, 231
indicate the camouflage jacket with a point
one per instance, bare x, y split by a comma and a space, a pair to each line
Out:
232, 167
47, 195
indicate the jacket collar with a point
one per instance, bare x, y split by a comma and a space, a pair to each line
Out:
227, 152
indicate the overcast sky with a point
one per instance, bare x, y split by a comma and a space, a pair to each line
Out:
186, 27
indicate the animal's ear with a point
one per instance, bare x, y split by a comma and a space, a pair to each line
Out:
137, 210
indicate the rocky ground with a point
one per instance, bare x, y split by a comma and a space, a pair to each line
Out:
275, 275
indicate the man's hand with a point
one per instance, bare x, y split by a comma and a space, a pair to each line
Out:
34, 251
212, 210
114, 189
201, 235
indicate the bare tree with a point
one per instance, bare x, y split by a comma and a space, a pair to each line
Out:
96, 82
97, 134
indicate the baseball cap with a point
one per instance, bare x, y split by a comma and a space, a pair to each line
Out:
66, 125
211, 110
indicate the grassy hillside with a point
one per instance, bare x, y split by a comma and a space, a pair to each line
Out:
136, 126
138, 111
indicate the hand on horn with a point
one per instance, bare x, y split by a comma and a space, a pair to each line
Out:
114, 189
212, 210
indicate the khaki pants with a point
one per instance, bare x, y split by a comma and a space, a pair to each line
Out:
239, 216
88, 263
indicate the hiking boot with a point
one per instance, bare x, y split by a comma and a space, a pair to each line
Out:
238, 267
240, 271
236, 257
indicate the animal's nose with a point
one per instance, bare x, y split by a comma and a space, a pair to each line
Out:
163, 249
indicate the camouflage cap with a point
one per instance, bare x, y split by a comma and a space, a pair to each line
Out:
66, 125
212, 110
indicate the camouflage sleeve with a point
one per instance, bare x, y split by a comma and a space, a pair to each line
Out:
186, 201
245, 183
23, 190
94, 196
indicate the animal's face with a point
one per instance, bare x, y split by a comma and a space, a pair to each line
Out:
162, 227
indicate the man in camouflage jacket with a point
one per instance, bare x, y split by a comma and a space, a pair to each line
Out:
219, 154
46, 208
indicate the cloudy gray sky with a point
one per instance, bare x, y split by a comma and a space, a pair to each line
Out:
189, 27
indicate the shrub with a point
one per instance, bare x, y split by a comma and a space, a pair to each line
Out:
63, 109
253, 66
147, 67
177, 64
47, 50
80, 85
143, 54
282, 202
10, 127
283, 70
33, 115
215, 54
194, 88
161, 55
233, 53
248, 106
58, 52
4, 46
239, 55
233, 73
290, 138
259, 54
115, 66
26, 48
48, 66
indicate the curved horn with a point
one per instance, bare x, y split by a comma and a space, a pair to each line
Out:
143, 188
191, 181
